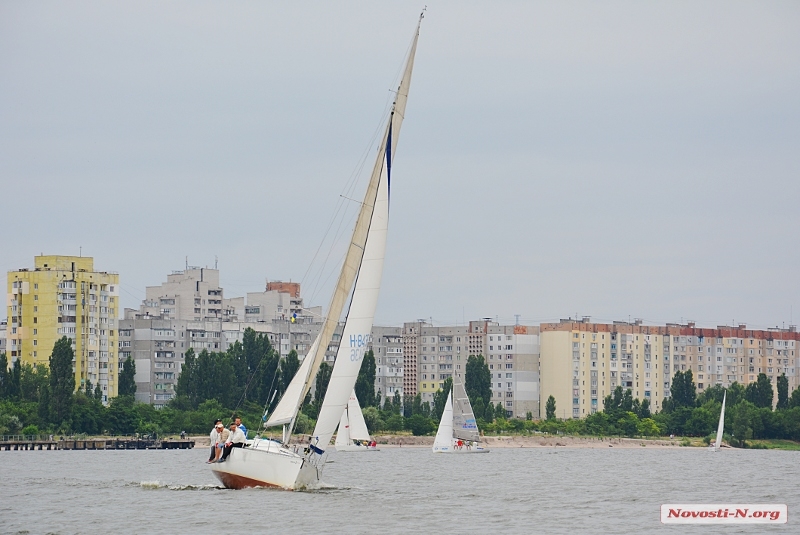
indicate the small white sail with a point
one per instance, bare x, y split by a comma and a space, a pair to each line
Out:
464, 425
290, 402
444, 436
343, 433
721, 423
358, 427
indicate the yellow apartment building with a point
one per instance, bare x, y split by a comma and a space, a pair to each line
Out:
583, 362
65, 296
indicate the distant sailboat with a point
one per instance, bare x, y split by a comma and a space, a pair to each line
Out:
277, 463
353, 434
721, 425
458, 431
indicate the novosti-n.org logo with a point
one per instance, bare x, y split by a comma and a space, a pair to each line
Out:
694, 513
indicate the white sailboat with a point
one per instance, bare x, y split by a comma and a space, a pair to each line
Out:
278, 464
458, 431
353, 434
721, 425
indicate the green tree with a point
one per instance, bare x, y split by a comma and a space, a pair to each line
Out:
478, 380
683, 391
397, 404
32, 380
127, 384
187, 380
648, 427
794, 401
735, 394
408, 406
628, 424
321, 386
15, 379
488, 413
783, 392
550, 408
5, 377
62, 382
742, 422
289, 366
760, 393
644, 409
419, 425
365, 382
499, 410
372, 417
416, 405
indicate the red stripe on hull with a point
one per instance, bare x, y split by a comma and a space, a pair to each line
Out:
233, 481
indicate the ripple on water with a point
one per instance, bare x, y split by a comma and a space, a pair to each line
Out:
398, 490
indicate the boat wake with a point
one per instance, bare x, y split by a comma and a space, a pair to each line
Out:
153, 485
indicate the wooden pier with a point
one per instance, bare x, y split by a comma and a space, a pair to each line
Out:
25, 444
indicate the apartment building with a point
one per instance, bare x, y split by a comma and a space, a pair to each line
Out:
432, 354
65, 296
513, 356
193, 294
387, 345
157, 347
582, 362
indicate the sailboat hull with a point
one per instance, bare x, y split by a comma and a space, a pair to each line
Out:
269, 466
475, 449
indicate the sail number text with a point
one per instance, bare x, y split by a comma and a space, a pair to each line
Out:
358, 345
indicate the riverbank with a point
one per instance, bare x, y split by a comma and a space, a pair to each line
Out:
536, 441
551, 441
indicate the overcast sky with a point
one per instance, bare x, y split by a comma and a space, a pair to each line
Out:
607, 159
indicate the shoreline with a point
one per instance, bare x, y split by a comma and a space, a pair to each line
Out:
534, 441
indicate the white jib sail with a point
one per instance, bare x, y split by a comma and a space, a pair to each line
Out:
444, 436
721, 423
290, 402
358, 325
464, 425
343, 433
358, 427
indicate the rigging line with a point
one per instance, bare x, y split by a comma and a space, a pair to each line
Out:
351, 183
247, 386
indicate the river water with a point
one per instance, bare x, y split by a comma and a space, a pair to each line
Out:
396, 490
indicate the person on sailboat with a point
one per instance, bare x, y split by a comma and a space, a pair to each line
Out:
235, 440
214, 437
241, 426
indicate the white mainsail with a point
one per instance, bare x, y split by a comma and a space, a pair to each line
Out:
374, 218
444, 435
464, 425
721, 423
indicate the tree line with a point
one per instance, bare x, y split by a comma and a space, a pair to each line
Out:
250, 377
